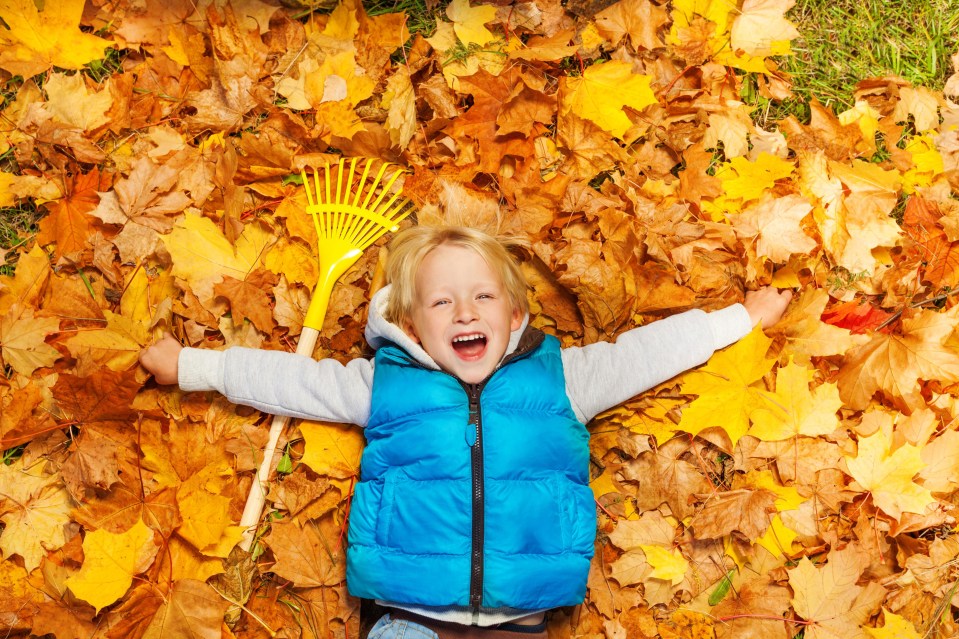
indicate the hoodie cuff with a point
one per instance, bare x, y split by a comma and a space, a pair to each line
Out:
199, 370
729, 325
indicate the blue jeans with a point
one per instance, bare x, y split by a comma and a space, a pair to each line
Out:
389, 628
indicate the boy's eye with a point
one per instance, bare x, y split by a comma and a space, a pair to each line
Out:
484, 296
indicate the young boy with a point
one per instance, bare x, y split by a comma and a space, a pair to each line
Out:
473, 507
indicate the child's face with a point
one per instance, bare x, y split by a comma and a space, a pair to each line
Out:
462, 315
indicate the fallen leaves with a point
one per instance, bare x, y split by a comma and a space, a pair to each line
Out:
802, 480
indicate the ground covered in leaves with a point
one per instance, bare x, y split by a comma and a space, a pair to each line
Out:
802, 482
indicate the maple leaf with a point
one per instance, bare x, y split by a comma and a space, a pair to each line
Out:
22, 342
70, 102
807, 334
190, 608
894, 627
677, 479
894, 363
760, 28
603, 91
747, 511
203, 256
117, 346
830, 598
888, 475
775, 223
862, 223
667, 565
23, 413
857, 316
332, 449
36, 40
35, 508
400, 99
306, 556
726, 388
68, 223
793, 410
148, 196
110, 561
469, 22
638, 20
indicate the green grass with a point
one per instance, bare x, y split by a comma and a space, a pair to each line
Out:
17, 225
844, 41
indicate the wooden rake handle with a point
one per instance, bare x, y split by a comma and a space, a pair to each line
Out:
256, 498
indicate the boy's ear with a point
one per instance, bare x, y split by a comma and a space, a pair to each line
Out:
517, 319
410, 331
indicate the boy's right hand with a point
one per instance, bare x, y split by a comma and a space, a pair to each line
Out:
162, 359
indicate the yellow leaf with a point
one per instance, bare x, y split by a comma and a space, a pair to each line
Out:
888, 475
205, 517
922, 104
110, 562
602, 92
776, 224
338, 79
761, 28
927, 163
332, 449
808, 335
894, 627
787, 497
865, 117
71, 103
778, 538
38, 40
793, 410
22, 342
342, 24
187, 563
203, 256
401, 102
295, 260
894, 363
745, 180
726, 387
36, 508
33, 272
469, 22
117, 346
668, 565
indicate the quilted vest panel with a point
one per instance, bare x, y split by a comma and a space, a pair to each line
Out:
411, 529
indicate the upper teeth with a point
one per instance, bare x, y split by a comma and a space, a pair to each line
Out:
466, 338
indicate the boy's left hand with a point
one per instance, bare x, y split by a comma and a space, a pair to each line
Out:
767, 305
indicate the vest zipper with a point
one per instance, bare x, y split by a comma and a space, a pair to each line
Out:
476, 464
473, 392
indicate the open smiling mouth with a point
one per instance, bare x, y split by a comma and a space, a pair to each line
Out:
469, 346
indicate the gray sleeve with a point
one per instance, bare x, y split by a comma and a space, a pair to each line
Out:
282, 383
602, 375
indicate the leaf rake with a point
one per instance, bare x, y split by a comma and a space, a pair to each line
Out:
351, 209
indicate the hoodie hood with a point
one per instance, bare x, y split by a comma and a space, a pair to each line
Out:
380, 332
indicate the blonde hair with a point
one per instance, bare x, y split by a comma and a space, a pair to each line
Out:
411, 246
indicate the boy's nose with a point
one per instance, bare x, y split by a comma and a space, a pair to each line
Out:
465, 312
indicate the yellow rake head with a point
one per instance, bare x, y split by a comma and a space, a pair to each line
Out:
351, 209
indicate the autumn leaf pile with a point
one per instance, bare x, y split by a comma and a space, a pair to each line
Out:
802, 481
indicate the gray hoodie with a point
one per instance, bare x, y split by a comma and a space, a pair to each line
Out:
598, 376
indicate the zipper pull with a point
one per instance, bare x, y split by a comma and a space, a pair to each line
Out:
472, 424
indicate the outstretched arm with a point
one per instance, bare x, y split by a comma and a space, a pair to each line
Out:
604, 374
276, 382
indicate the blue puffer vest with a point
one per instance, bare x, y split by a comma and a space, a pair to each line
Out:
473, 495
